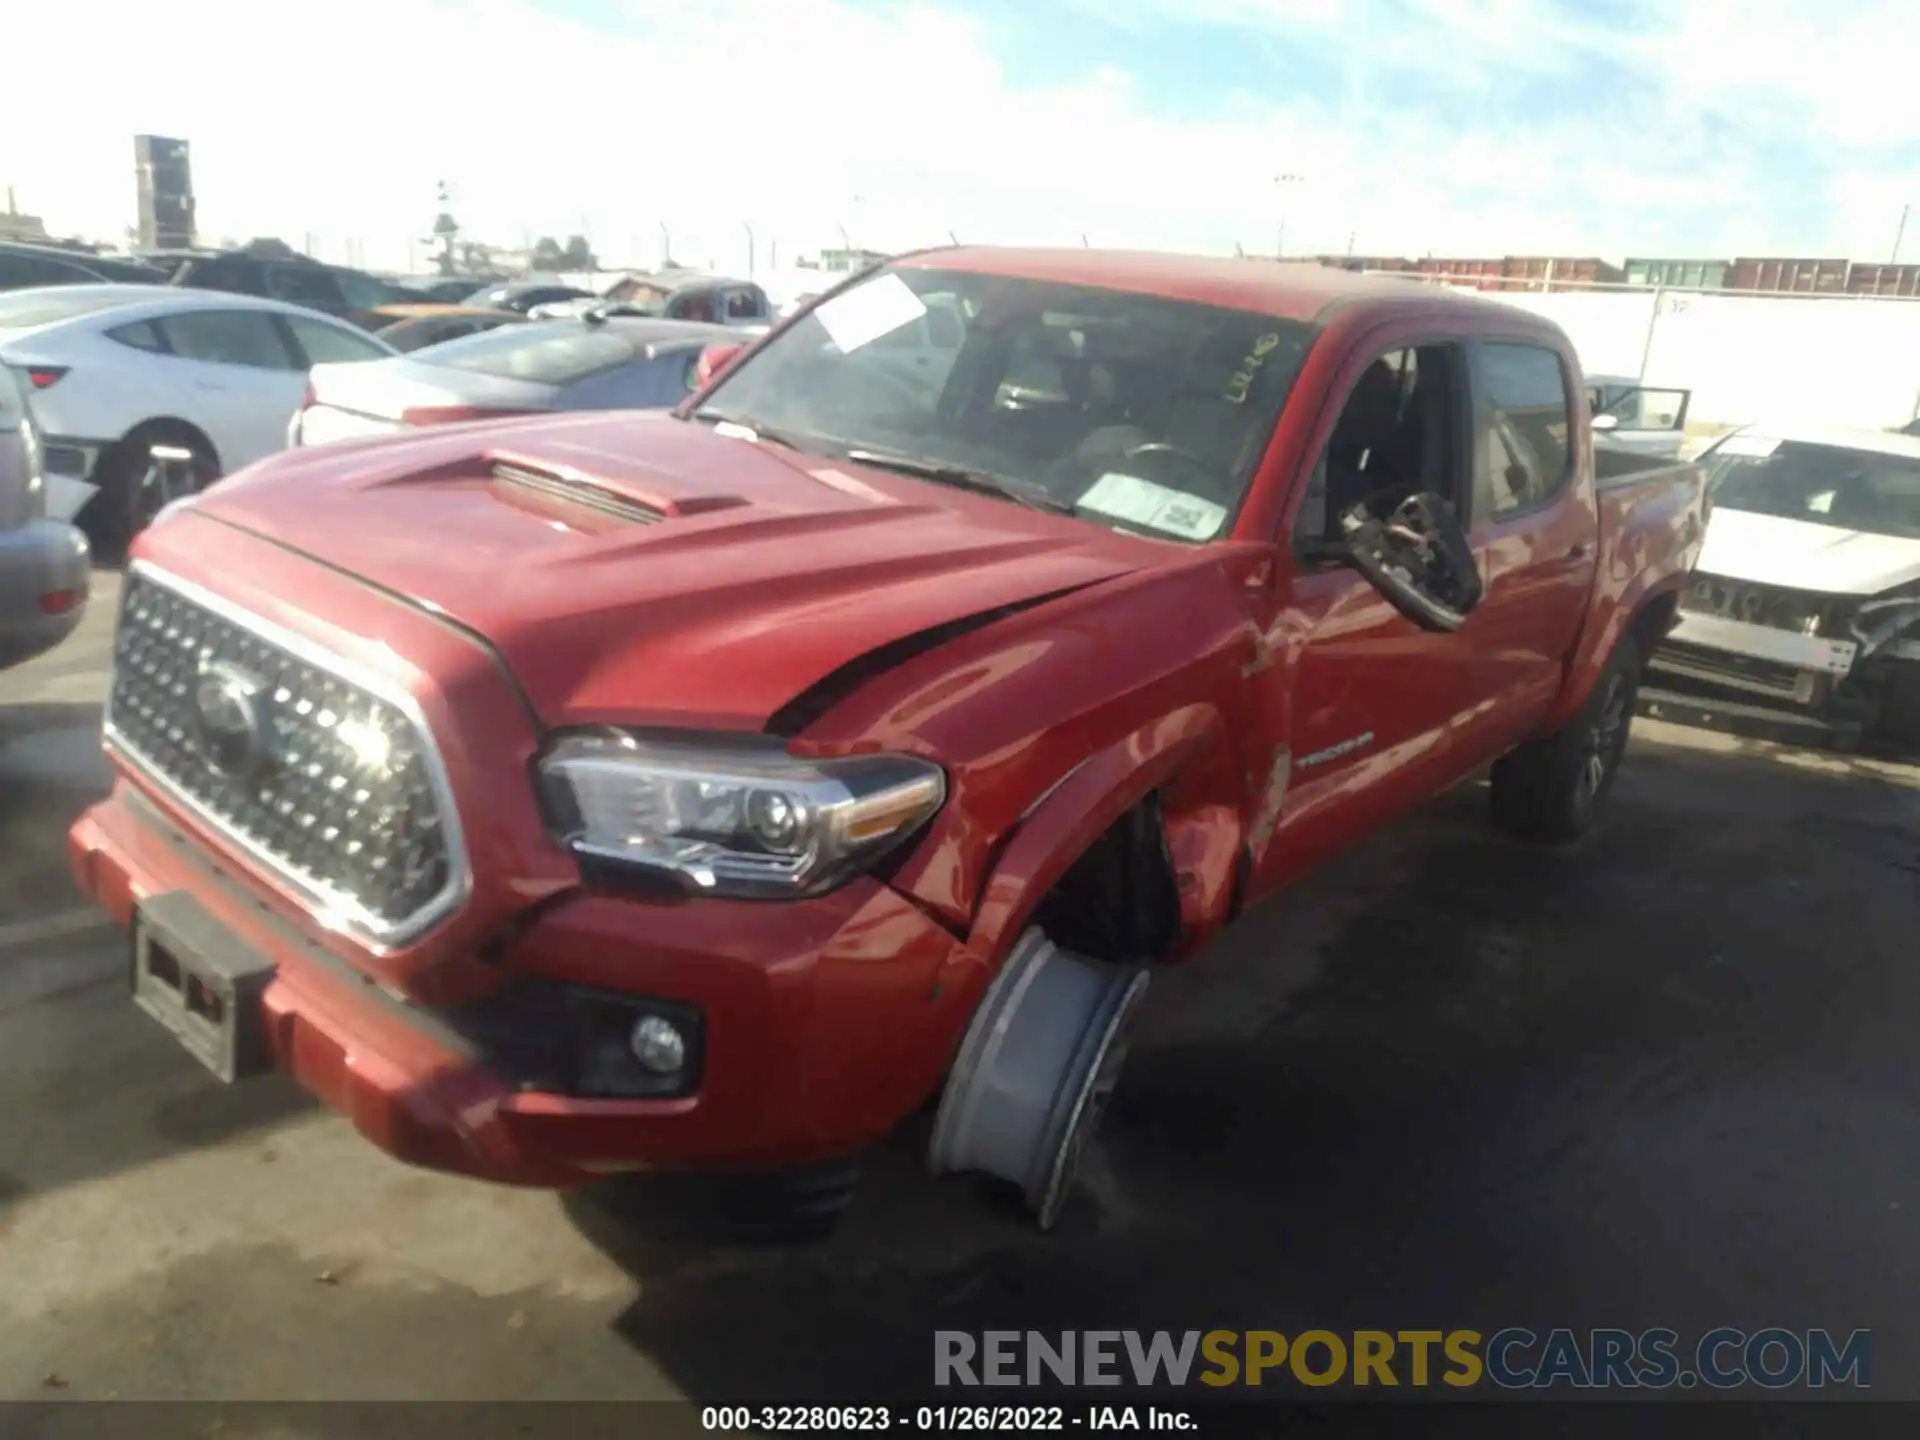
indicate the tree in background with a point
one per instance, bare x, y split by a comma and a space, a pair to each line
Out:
578, 254
547, 255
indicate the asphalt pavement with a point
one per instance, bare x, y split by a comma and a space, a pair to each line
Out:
1666, 1078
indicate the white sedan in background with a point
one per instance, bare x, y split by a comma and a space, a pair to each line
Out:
115, 370
1805, 603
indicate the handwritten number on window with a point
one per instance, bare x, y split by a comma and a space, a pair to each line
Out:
1240, 385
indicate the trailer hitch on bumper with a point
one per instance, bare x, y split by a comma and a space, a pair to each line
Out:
1035, 1070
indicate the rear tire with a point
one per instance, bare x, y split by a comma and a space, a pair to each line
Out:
126, 503
1553, 789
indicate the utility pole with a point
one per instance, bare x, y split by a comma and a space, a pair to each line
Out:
1900, 233
749, 230
1352, 235
1280, 184
666, 246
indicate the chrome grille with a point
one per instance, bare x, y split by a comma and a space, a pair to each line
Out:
332, 785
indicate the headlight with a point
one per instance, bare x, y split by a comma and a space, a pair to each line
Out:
734, 818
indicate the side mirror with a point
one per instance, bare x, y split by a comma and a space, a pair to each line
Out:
1606, 422
1418, 558
713, 360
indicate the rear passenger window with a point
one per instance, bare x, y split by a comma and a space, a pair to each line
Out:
228, 337
1526, 453
141, 335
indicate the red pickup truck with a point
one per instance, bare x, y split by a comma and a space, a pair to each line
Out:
713, 790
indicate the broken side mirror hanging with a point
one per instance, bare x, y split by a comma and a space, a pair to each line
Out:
1418, 558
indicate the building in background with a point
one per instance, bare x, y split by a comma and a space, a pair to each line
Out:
21, 229
1678, 274
165, 184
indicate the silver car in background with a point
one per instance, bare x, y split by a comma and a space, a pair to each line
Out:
44, 564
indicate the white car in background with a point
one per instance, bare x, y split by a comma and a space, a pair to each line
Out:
115, 370
1805, 604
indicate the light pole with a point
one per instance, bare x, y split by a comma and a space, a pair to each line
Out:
666, 246
1899, 234
1280, 185
749, 230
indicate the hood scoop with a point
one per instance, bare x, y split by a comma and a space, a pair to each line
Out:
542, 489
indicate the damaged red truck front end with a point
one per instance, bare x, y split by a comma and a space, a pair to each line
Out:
584, 794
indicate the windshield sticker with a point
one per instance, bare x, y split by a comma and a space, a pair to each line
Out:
868, 311
1153, 507
1240, 385
1757, 447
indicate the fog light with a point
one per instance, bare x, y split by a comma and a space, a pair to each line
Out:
658, 1045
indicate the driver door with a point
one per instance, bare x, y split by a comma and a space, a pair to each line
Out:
1357, 703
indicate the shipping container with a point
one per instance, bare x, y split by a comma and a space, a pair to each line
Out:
1678, 274
1884, 280
1789, 277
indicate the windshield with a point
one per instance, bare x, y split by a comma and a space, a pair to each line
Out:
1822, 484
551, 352
1140, 412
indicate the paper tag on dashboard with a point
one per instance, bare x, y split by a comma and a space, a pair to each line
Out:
866, 312
1756, 447
1153, 507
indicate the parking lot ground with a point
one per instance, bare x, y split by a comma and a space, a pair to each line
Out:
1669, 1077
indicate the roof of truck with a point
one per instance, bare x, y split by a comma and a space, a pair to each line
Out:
1285, 289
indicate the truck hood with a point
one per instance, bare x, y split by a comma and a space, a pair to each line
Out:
1802, 555
642, 569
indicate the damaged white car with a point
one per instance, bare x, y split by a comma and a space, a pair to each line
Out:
1803, 620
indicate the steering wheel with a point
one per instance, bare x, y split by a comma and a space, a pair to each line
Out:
1418, 558
1212, 483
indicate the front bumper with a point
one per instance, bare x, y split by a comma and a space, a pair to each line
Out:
44, 571
1777, 684
70, 464
826, 1022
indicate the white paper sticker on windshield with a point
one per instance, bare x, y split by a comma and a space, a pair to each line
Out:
1153, 507
1756, 446
868, 311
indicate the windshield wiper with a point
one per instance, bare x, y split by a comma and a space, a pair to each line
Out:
962, 478
760, 432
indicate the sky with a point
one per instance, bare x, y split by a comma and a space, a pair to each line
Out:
1661, 128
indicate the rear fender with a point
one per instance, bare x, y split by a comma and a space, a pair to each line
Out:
1614, 618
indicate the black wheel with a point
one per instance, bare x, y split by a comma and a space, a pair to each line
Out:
1552, 789
131, 486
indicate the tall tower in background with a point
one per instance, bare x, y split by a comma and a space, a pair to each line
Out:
166, 192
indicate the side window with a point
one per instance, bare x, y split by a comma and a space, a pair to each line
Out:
746, 304
1526, 450
307, 285
363, 292
21, 271
228, 337
236, 277
141, 335
1398, 433
324, 344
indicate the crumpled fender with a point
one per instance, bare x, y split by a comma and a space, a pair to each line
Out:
1188, 755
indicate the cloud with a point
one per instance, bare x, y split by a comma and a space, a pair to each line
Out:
1451, 126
